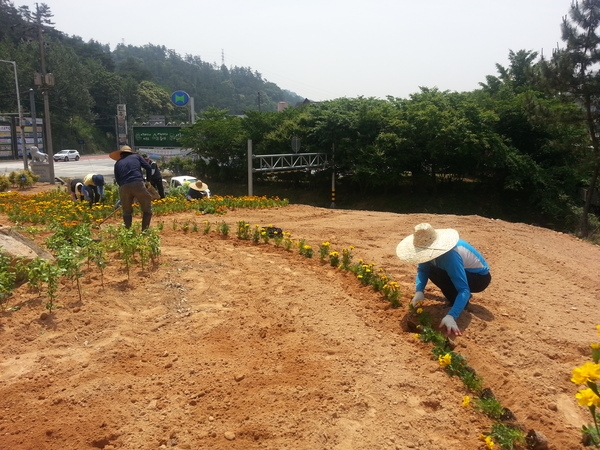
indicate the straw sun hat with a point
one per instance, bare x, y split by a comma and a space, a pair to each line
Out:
116, 155
199, 186
426, 244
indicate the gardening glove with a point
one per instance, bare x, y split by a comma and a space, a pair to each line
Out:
418, 298
450, 324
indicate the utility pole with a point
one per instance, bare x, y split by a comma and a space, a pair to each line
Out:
46, 82
20, 112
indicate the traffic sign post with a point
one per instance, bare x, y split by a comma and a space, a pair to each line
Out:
182, 98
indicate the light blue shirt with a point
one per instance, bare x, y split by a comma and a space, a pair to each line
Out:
461, 259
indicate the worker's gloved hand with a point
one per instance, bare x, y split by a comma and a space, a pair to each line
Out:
418, 298
450, 324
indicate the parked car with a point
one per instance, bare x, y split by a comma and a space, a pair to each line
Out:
67, 155
180, 181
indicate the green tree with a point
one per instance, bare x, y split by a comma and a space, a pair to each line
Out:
219, 140
573, 73
153, 100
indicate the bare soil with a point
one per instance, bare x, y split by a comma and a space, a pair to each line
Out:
227, 344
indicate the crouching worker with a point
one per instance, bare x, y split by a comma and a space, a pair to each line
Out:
129, 177
78, 190
452, 264
95, 186
198, 190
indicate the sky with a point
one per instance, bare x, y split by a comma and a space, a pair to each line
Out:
327, 49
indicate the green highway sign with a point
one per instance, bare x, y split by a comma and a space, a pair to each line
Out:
157, 136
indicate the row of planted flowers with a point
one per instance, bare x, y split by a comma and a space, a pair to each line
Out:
57, 206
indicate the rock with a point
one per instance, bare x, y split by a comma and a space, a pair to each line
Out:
229, 435
239, 377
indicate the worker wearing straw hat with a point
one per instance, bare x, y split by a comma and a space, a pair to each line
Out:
129, 177
451, 263
197, 190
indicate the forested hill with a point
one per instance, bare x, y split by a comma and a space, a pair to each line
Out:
91, 79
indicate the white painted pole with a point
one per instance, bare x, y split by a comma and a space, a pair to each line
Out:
250, 192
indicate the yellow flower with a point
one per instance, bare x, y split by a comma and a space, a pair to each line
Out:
466, 400
587, 397
587, 372
445, 360
595, 345
598, 328
419, 310
416, 335
489, 443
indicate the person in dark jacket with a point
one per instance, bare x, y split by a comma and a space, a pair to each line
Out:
198, 190
129, 177
156, 177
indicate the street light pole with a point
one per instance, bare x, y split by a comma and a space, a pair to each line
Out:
21, 122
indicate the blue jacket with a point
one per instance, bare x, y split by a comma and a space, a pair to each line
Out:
128, 169
461, 259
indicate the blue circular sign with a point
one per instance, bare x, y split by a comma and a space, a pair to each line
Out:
180, 98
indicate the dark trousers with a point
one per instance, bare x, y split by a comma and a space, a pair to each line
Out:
94, 194
135, 191
439, 277
158, 185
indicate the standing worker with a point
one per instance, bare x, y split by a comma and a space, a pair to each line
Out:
452, 264
95, 186
156, 177
129, 177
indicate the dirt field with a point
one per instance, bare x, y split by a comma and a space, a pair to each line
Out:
232, 345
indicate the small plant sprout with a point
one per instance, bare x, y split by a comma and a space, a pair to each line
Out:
307, 251
324, 250
206, 228
264, 236
256, 234
347, 257
334, 259
223, 229
277, 238
287, 241
506, 436
243, 230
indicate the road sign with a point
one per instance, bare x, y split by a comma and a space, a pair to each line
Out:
295, 144
180, 98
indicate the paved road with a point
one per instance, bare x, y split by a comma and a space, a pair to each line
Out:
73, 169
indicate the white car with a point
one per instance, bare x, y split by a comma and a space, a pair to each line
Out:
67, 155
182, 180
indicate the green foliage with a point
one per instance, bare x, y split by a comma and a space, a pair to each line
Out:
490, 406
223, 229
4, 183
23, 178
7, 280
507, 436
218, 139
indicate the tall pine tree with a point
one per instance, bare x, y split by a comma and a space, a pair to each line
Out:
574, 72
